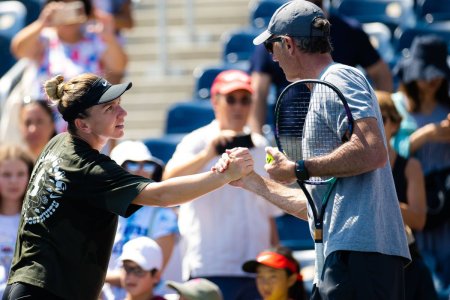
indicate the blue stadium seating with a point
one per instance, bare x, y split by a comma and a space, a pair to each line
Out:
262, 11
433, 10
185, 117
393, 13
163, 147
294, 233
204, 77
405, 36
238, 46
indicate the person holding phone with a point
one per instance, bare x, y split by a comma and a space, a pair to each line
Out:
228, 217
68, 38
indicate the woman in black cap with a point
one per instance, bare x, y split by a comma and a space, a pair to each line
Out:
424, 103
75, 194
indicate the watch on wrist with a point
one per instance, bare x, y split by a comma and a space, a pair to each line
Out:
300, 170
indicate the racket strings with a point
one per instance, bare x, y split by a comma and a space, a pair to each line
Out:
311, 121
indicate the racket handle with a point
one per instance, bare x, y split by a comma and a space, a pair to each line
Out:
269, 158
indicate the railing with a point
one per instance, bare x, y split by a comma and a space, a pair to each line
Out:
162, 28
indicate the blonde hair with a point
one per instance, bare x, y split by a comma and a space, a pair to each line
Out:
66, 94
387, 106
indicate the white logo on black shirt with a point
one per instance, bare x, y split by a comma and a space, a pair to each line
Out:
44, 190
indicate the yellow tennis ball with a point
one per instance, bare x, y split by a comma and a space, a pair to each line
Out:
269, 158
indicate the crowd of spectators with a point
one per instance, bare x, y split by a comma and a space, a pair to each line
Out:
215, 243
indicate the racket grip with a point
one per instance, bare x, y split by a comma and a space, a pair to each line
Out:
269, 158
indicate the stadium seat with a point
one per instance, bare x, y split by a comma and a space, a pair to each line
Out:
12, 17
294, 233
405, 36
204, 77
185, 117
433, 10
163, 147
261, 11
393, 13
238, 47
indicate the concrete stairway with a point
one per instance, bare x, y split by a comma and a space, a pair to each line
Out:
154, 90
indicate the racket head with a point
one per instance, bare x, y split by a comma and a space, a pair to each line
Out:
312, 118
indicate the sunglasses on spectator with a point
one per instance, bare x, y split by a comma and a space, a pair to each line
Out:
136, 271
243, 101
269, 43
134, 166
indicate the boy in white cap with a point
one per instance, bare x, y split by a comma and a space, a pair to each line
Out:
141, 268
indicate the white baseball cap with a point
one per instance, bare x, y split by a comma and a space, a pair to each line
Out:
131, 150
144, 251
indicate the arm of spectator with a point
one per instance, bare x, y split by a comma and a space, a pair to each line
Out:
167, 243
198, 161
114, 58
26, 43
261, 86
381, 76
434, 132
414, 210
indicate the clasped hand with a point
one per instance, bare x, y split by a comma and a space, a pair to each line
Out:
236, 163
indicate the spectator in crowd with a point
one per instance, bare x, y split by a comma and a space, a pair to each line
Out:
351, 46
37, 125
410, 188
196, 289
141, 262
423, 102
277, 275
71, 207
158, 223
241, 220
62, 41
16, 165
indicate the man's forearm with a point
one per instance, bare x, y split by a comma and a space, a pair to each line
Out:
291, 200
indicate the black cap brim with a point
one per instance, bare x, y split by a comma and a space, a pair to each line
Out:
114, 92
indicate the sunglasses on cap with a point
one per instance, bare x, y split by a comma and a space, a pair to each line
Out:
269, 43
243, 101
134, 166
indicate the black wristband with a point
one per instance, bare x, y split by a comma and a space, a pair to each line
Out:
300, 170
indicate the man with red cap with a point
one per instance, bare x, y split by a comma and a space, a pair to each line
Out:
222, 230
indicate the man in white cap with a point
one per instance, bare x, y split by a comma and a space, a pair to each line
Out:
364, 242
141, 268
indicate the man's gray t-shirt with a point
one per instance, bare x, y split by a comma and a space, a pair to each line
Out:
363, 212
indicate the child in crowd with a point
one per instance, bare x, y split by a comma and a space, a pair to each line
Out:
141, 268
16, 165
277, 275
196, 289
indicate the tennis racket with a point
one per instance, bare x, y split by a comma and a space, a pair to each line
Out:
312, 118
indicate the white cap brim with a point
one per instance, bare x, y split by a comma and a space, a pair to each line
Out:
262, 37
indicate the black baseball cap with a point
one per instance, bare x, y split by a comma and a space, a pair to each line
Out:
100, 92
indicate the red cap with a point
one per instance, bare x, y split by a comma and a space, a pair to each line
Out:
231, 80
273, 260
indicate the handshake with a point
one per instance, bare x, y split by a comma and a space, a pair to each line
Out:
238, 165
